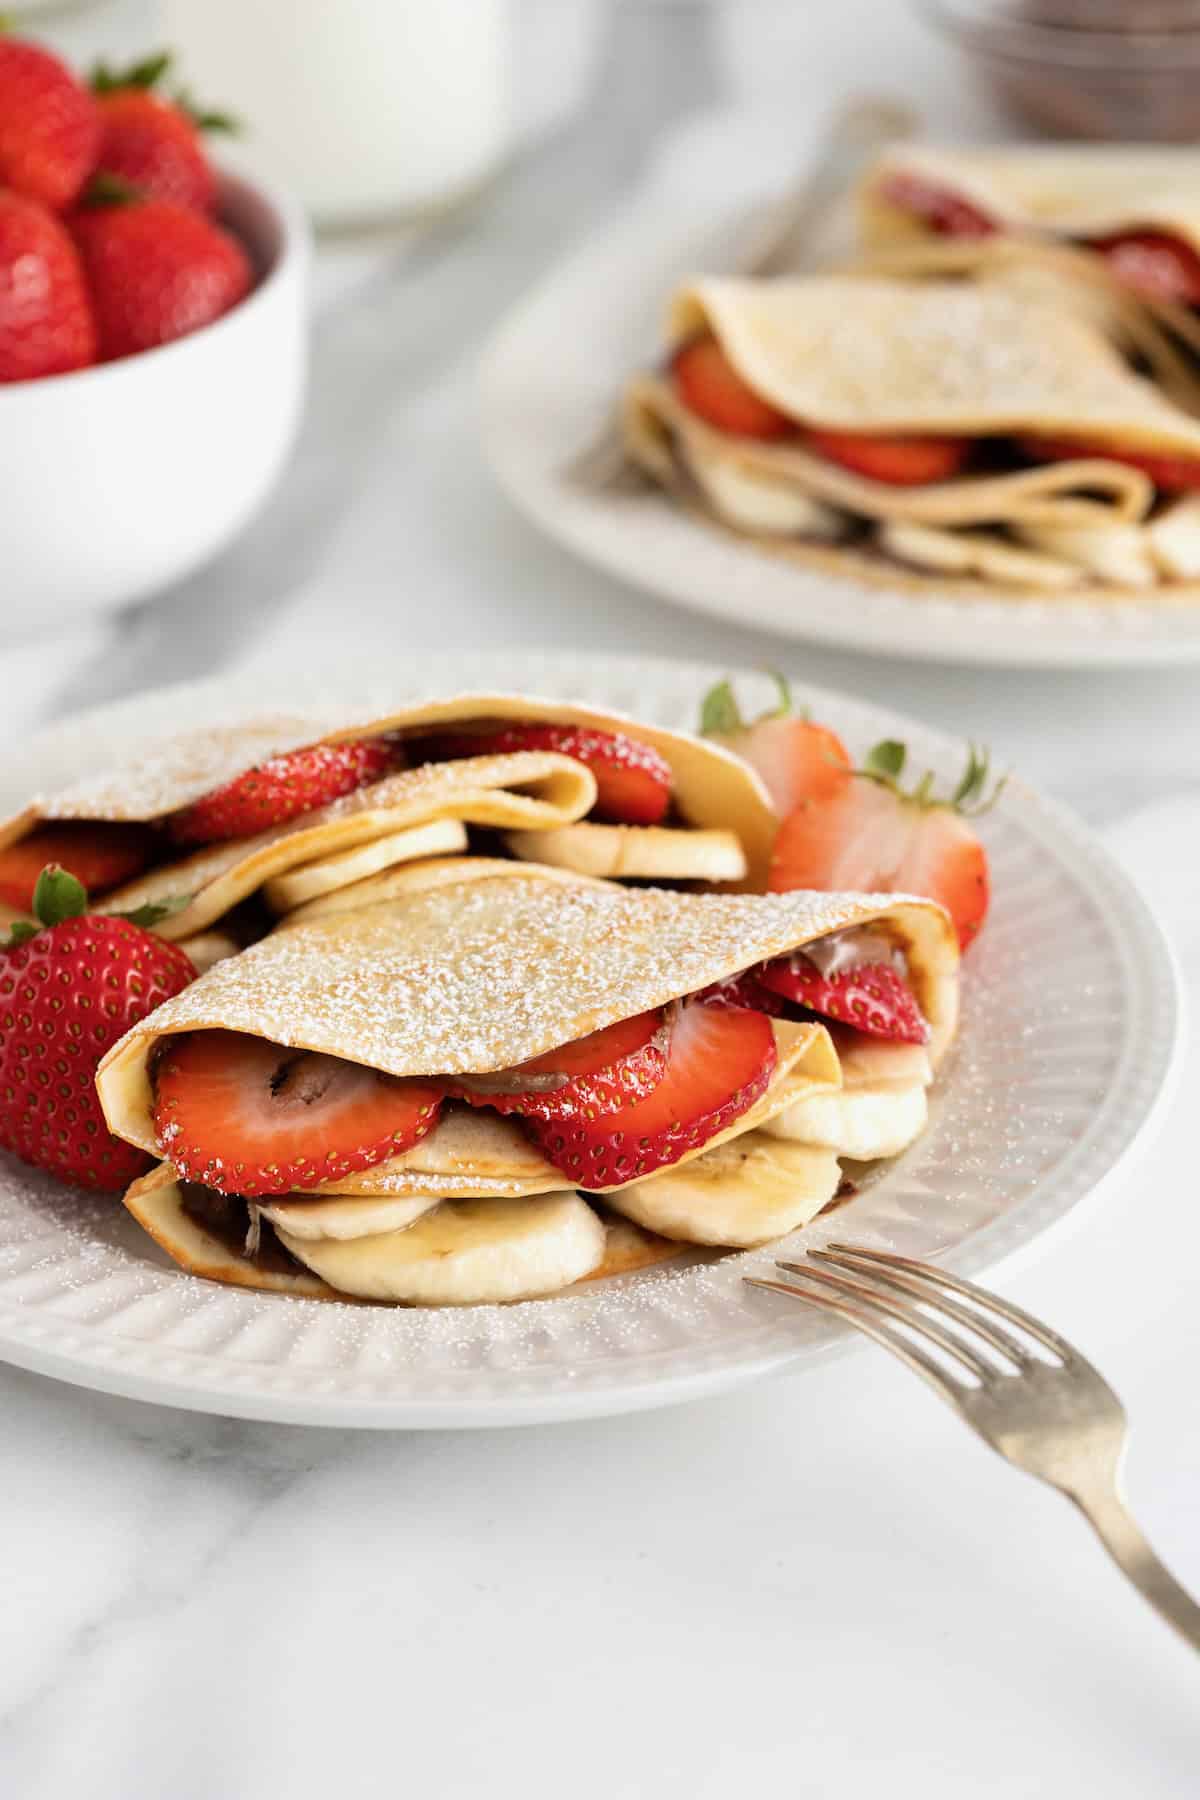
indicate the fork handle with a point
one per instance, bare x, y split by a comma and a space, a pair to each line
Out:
1121, 1536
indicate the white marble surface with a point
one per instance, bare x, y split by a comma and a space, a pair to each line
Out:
820, 1585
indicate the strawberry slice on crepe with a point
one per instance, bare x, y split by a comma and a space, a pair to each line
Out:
633, 781
283, 788
591, 1077
711, 387
100, 856
872, 997
874, 836
912, 460
1154, 264
1174, 474
250, 1117
944, 211
719, 1061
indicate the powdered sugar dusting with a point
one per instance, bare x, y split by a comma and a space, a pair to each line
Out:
968, 357
479, 976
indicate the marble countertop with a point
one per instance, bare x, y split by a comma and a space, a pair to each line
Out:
820, 1583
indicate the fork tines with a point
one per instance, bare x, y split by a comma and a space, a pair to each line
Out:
905, 1305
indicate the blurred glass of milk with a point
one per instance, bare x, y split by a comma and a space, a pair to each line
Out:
375, 110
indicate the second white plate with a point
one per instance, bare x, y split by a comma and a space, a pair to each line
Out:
551, 376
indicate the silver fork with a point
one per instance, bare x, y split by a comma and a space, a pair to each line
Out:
1053, 1415
858, 131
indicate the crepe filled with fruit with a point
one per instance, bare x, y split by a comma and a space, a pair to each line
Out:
450, 1097
1135, 207
290, 812
954, 436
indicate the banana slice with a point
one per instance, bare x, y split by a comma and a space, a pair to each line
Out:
431, 872
1174, 538
634, 852
743, 1192
465, 1253
1118, 553
330, 872
982, 553
758, 504
867, 1061
344, 1217
862, 1122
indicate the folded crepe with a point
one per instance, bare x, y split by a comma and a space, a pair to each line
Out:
1132, 204
458, 984
1065, 442
719, 827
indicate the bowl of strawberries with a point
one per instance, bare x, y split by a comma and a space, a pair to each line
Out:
152, 338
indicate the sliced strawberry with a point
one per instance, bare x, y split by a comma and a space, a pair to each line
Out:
940, 207
796, 759
100, 856
1154, 264
633, 782
281, 789
711, 387
719, 1061
873, 997
744, 990
1174, 474
594, 1076
898, 461
247, 1117
874, 837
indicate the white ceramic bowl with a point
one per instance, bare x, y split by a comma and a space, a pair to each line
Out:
117, 480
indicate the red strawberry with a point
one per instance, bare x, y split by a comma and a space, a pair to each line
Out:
100, 856
1174, 474
49, 131
719, 1061
153, 143
247, 1117
1154, 264
282, 788
941, 208
744, 990
67, 994
46, 322
157, 271
797, 760
873, 997
633, 782
897, 461
154, 147
590, 1078
711, 387
875, 837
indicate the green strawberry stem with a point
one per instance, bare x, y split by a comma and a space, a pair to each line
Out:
885, 763
144, 74
721, 716
147, 74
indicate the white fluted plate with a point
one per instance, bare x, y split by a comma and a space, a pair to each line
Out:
1070, 1035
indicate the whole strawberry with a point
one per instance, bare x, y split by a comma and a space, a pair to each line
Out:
49, 127
46, 323
153, 142
67, 993
156, 271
